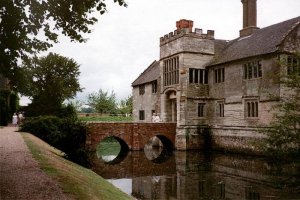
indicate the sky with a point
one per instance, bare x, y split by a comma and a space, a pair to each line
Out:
125, 41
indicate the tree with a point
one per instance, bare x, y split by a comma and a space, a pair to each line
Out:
125, 106
103, 102
283, 137
51, 80
30, 26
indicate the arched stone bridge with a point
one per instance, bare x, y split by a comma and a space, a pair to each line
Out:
133, 136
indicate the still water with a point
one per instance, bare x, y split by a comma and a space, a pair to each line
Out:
195, 175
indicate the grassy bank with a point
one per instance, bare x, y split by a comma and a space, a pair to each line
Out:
79, 182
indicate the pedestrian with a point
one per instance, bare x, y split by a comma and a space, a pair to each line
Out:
20, 118
157, 118
153, 117
15, 119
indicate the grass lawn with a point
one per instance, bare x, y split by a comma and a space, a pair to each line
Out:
106, 118
108, 148
79, 182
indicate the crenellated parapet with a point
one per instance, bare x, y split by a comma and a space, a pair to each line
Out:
185, 28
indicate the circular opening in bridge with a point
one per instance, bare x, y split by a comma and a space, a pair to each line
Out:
158, 149
112, 150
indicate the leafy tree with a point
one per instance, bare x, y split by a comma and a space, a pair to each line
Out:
51, 80
103, 102
125, 106
30, 26
284, 134
77, 104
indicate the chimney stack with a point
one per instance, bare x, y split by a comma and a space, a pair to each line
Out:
184, 24
249, 17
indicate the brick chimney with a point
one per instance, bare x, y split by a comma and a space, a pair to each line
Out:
184, 24
249, 17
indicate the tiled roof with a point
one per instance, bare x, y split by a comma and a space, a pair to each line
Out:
262, 41
149, 75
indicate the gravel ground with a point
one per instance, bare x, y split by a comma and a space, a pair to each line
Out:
20, 175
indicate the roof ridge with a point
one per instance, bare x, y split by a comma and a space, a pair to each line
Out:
153, 64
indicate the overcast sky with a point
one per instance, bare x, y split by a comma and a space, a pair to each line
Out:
125, 41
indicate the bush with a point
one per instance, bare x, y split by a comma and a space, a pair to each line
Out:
3, 112
66, 134
9, 102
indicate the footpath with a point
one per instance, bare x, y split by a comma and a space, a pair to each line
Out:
20, 175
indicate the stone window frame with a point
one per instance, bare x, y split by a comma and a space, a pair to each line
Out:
201, 109
251, 108
198, 76
293, 65
171, 71
219, 75
141, 114
252, 70
142, 89
154, 87
220, 111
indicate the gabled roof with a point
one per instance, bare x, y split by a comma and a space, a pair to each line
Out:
149, 75
262, 41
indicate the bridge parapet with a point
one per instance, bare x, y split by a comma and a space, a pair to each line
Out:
135, 135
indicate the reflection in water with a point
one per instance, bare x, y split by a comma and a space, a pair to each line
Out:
194, 175
108, 158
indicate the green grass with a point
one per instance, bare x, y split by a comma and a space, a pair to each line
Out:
77, 181
108, 148
106, 118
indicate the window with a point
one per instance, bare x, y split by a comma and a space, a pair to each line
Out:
142, 115
252, 70
142, 89
293, 65
219, 75
220, 109
171, 71
201, 109
198, 76
154, 87
251, 194
252, 108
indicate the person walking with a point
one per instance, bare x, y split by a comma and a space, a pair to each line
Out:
157, 118
15, 119
20, 118
153, 117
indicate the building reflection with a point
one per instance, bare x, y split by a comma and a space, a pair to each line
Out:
194, 175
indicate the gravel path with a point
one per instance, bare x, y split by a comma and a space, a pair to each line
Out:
20, 175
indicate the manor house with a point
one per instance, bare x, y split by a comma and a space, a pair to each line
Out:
200, 81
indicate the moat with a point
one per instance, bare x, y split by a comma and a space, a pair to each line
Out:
198, 175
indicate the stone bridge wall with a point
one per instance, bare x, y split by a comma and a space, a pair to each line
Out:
136, 135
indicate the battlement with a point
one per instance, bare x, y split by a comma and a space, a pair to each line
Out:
185, 28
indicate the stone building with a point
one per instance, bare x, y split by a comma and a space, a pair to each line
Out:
202, 82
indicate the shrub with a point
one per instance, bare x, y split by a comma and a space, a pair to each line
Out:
66, 134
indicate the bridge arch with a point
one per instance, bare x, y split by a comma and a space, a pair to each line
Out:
159, 149
167, 143
108, 142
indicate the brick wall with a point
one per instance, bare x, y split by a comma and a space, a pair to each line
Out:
135, 135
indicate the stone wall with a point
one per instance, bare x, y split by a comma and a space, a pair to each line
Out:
148, 101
